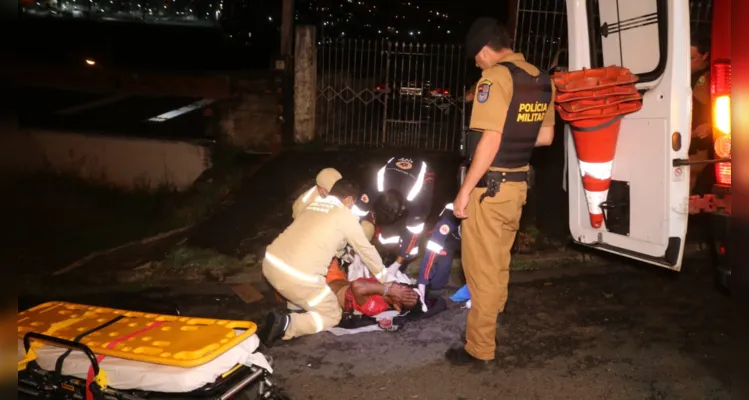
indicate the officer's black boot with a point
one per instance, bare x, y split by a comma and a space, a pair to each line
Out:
460, 357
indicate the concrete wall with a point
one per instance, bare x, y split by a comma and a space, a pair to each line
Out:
125, 162
251, 121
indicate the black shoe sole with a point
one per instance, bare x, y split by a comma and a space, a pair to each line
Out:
265, 332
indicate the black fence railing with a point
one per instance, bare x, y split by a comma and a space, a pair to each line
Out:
379, 93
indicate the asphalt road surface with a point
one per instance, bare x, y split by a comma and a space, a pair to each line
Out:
619, 331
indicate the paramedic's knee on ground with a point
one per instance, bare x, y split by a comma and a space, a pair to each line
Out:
323, 310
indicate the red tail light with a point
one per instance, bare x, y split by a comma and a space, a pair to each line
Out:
720, 88
723, 173
440, 92
720, 78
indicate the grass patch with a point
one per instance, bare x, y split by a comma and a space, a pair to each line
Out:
182, 264
56, 219
185, 258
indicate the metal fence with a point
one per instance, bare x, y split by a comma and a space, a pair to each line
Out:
378, 93
541, 30
701, 15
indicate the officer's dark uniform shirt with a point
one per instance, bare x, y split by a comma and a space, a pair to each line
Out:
515, 99
415, 181
701, 110
443, 241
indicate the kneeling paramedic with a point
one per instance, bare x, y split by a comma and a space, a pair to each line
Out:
297, 261
444, 240
512, 113
401, 200
324, 181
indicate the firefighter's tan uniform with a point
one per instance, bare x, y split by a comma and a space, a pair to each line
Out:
298, 259
490, 228
325, 179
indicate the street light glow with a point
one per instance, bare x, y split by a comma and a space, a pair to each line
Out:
90, 61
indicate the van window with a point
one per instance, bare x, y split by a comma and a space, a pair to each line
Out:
633, 34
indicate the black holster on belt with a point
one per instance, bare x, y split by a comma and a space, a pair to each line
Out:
492, 180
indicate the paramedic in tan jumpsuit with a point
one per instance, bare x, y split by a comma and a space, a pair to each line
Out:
297, 262
323, 183
512, 113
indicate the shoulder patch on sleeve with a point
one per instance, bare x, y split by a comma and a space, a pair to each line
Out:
482, 91
444, 229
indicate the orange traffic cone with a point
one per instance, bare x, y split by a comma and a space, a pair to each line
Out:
595, 142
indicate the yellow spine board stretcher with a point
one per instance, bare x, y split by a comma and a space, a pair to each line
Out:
138, 336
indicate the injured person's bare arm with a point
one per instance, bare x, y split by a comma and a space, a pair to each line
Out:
397, 295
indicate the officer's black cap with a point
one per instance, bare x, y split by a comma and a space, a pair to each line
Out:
479, 35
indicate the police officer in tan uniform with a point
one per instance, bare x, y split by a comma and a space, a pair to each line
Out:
297, 262
323, 183
512, 113
702, 176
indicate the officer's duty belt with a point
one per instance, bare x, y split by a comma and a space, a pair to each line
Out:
515, 176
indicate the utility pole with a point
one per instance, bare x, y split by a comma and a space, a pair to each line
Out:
512, 20
287, 28
287, 71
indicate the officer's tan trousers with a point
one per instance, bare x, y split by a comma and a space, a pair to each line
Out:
323, 310
487, 237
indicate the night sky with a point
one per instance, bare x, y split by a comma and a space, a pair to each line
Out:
245, 35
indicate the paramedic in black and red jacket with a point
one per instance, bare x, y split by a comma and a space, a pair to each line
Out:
401, 200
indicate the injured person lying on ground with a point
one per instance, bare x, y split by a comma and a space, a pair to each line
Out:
372, 306
368, 305
367, 296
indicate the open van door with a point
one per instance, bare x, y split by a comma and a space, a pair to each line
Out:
646, 209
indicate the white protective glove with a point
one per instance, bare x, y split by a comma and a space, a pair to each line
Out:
422, 290
424, 307
393, 268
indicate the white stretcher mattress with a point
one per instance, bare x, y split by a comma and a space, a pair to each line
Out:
136, 375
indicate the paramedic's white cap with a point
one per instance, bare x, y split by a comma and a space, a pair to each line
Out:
327, 178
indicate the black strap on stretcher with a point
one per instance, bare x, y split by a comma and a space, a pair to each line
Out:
77, 339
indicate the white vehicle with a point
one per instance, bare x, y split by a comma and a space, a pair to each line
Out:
649, 199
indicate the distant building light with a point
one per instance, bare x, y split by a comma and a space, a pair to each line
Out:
90, 61
270, 19
379, 31
448, 31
